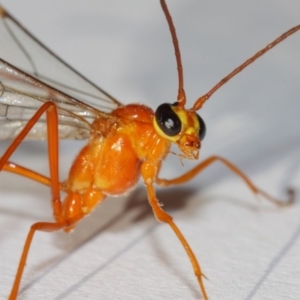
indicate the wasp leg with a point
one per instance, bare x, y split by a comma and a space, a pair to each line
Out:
207, 162
149, 171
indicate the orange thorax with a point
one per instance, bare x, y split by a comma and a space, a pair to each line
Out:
119, 144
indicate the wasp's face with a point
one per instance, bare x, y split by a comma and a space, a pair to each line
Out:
183, 127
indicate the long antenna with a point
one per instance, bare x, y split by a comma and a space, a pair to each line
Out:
181, 99
199, 103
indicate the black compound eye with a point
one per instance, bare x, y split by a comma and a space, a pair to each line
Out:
167, 120
202, 130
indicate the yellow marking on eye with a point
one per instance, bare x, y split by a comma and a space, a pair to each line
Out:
189, 124
162, 134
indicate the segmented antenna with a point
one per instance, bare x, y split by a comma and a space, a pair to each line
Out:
199, 103
181, 93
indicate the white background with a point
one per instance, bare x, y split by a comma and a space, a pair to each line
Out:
248, 250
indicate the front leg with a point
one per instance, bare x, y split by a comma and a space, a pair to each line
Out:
210, 160
149, 174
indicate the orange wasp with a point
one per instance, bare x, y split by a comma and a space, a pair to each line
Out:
124, 142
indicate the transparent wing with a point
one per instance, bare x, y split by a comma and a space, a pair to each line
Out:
31, 74
20, 97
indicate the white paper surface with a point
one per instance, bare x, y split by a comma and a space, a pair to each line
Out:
248, 250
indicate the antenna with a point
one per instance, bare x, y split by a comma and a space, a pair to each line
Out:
181, 99
199, 103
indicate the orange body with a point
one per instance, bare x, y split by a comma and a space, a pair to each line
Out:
110, 164
124, 144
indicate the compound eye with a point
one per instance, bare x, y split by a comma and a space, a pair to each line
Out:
167, 120
202, 130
